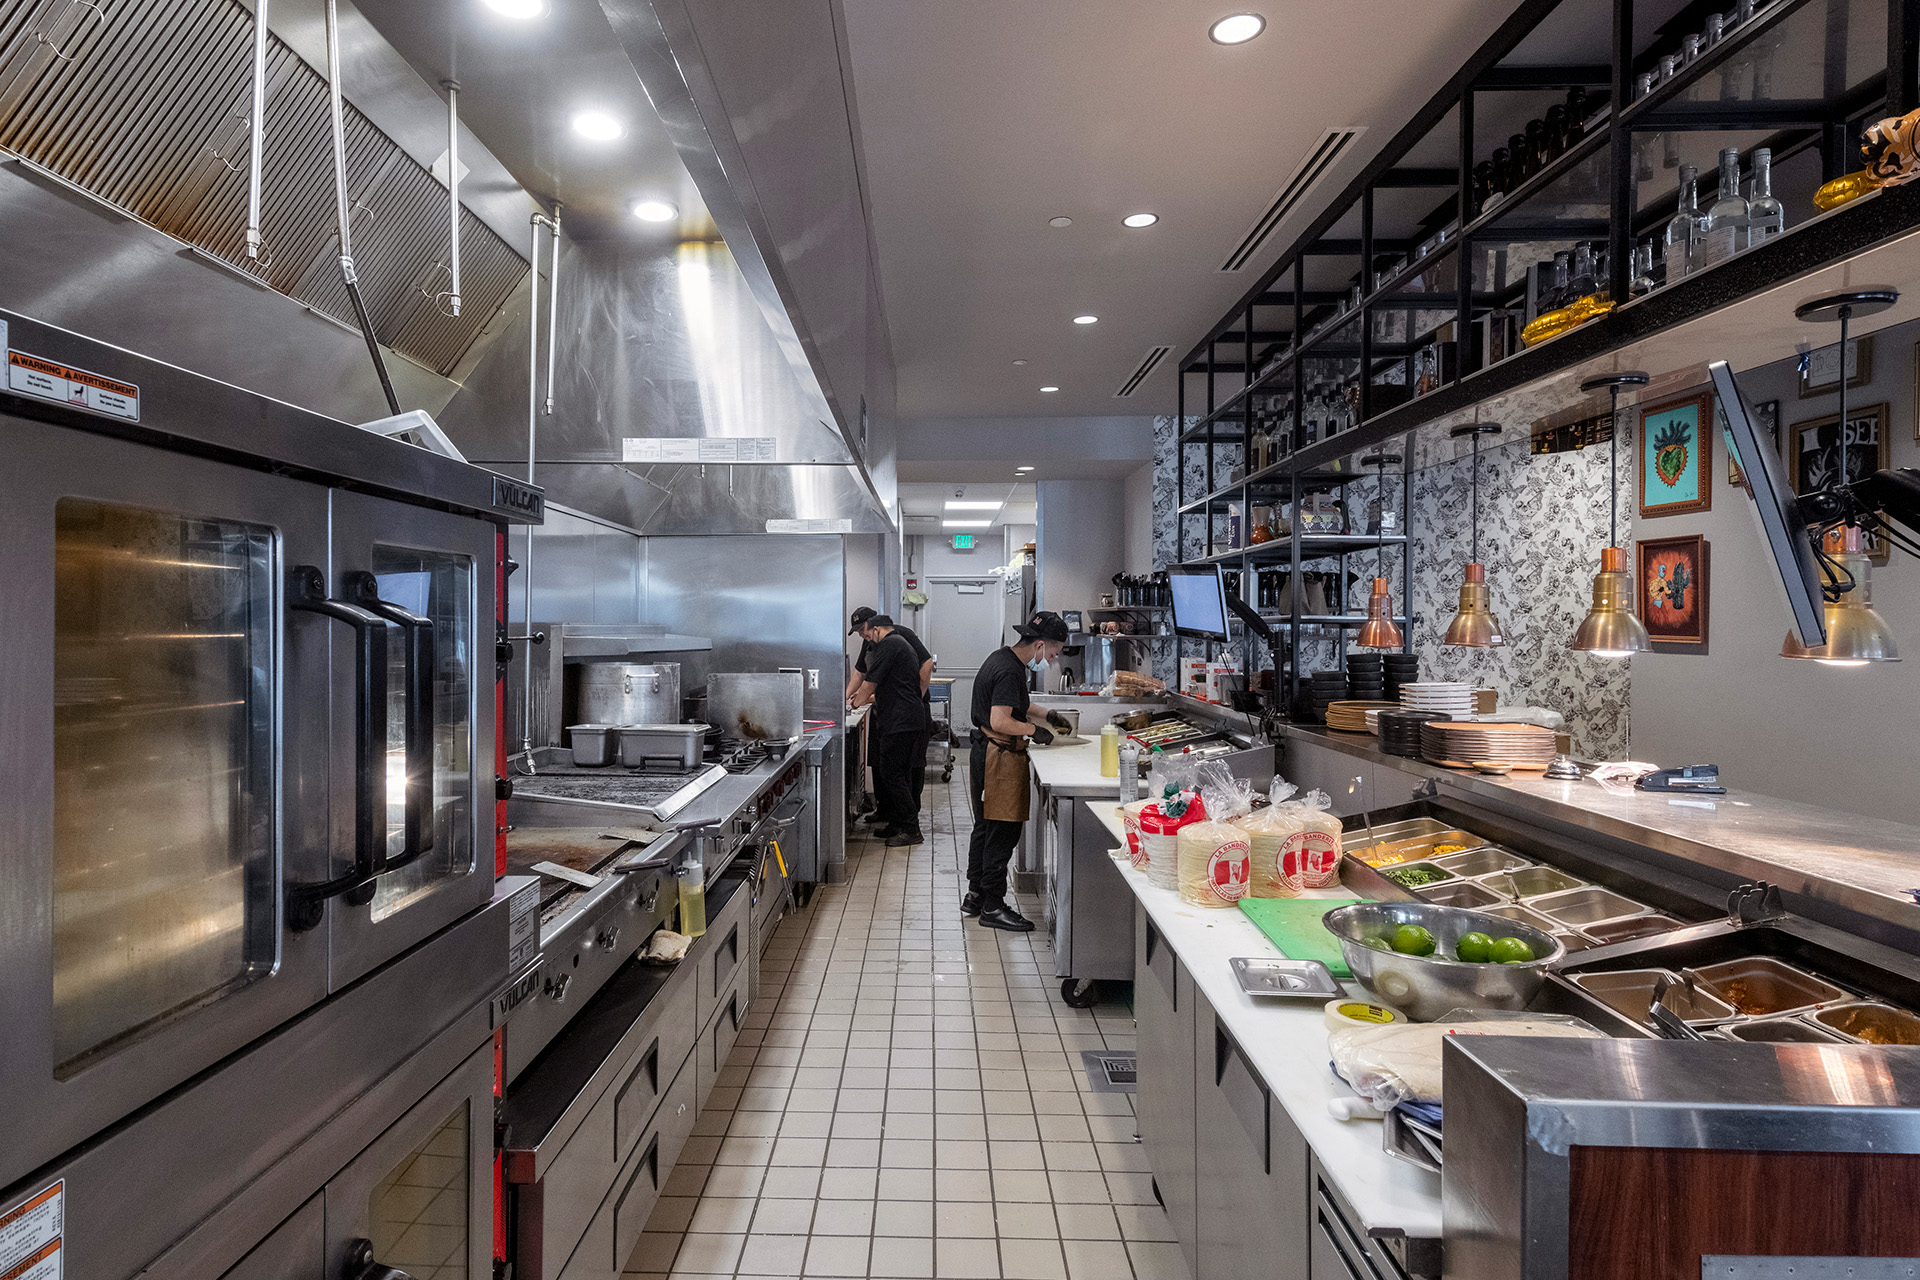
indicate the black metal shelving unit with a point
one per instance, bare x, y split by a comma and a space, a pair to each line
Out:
1401, 291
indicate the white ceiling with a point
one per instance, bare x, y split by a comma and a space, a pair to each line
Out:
923, 505
982, 120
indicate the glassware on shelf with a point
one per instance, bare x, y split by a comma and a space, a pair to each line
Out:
1642, 281
1577, 110
1726, 220
1519, 159
1581, 280
1642, 85
1480, 189
1537, 155
1690, 47
1556, 132
1766, 216
1716, 29
1559, 294
1678, 239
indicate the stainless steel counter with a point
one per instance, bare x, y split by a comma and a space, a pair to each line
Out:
1860, 865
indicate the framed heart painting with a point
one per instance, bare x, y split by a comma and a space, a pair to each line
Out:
1675, 447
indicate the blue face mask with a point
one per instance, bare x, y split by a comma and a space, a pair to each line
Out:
1038, 664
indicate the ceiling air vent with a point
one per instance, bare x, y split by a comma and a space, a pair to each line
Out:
1140, 375
1333, 145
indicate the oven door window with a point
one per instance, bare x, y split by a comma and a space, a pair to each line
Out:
438, 586
163, 743
417, 1214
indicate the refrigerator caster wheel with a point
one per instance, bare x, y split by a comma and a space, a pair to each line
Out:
1079, 995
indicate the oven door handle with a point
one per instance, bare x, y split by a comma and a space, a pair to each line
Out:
307, 593
418, 633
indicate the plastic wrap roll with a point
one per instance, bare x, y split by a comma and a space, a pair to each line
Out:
1214, 864
1267, 832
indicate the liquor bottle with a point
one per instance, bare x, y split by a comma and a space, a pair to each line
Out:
1766, 216
1519, 159
1642, 281
1677, 252
1726, 221
1501, 179
1556, 131
1561, 293
1537, 146
1577, 110
1480, 191
1581, 279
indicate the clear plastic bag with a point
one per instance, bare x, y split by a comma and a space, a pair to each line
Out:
1214, 863
1401, 1063
1310, 855
1267, 832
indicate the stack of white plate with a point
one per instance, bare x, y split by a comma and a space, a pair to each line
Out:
1448, 697
1522, 746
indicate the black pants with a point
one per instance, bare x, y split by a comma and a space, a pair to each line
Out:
895, 796
991, 848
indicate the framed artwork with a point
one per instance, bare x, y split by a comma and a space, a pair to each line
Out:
1670, 591
1814, 456
1820, 368
1766, 416
1675, 445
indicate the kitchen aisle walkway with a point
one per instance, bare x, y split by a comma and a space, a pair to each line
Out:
907, 1100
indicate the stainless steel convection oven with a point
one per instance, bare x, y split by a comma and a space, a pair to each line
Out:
248, 914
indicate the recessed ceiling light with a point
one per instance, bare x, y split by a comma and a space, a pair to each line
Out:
1060, 222
598, 126
973, 506
1019, 362
1023, 468
1139, 219
1237, 28
655, 211
1049, 388
966, 524
1086, 319
517, 8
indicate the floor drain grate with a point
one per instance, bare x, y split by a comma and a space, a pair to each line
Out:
1109, 1072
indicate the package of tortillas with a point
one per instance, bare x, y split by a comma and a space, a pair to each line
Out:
1130, 826
1213, 863
1267, 832
1310, 856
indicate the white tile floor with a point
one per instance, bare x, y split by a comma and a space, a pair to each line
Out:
907, 1100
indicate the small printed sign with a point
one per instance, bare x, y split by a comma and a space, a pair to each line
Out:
33, 1236
48, 380
809, 526
717, 449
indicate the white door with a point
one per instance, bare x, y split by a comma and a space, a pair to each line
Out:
961, 624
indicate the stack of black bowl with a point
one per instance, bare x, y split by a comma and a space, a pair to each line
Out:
1323, 687
1400, 731
1366, 679
1400, 668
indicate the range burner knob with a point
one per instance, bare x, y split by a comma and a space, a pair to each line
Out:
556, 987
607, 938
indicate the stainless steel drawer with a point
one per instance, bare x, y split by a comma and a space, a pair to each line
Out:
615, 1228
719, 1037
720, 951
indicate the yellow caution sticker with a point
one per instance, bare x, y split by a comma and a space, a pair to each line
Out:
778, 857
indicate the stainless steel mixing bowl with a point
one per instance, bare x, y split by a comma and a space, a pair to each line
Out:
1429, 987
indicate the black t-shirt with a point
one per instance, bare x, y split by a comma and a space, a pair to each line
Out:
1002, 682
895, 674
921, 655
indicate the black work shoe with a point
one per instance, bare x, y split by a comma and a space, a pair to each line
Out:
970, 904
887, 832
1005, 917
903, 839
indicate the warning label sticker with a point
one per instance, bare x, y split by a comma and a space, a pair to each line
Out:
32, 1236
48, 380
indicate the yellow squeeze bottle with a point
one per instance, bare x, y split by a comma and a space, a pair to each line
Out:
693, 899
1110, 751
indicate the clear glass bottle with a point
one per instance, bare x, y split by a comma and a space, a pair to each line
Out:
1582, 280
1677, 251
692, 878
1766, 216
1559, 296
1726, 220
1642, 281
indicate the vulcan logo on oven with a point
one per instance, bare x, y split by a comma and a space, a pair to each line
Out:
519, 499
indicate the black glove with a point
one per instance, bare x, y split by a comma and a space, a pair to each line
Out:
1059, 722
1042, 737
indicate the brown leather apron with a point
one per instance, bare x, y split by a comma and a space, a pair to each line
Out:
1008, 790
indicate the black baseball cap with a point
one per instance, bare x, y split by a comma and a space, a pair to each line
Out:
1045, 625
862, 617
879, 620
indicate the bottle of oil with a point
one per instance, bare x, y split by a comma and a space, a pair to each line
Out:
693, 898
1110, 751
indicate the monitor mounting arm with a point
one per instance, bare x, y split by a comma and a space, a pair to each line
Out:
1875, 502
1255, 623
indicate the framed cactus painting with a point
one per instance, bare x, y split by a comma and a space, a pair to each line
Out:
1671, 591
1676, 456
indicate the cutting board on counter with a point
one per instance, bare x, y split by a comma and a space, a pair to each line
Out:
1293, 925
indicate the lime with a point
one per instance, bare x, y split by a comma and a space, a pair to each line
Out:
1412, 940
1378, 944
1474, 948
1510, 951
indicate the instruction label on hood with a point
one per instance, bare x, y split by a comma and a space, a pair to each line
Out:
48, 380
699, 449
33, 1235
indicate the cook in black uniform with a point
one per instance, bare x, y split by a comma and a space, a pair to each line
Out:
1003, 721
898, 730
859, 693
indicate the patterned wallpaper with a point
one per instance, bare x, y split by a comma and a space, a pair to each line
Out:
1543, 520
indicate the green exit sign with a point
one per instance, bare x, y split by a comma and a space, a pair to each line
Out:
963, 542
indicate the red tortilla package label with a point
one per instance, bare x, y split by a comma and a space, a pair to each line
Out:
1229, 870
1310, 859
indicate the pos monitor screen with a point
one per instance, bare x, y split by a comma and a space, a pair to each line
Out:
1783, 525
1199, 601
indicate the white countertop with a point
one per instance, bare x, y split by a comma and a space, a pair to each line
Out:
1073, 770
1287, 1042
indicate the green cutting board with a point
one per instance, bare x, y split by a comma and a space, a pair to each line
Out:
1293, 925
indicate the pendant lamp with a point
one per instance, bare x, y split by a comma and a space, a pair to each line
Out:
1610, 629
1856, 634
1380, 631
1474, 626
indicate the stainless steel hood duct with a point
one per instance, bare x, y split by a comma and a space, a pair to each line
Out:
663, 352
